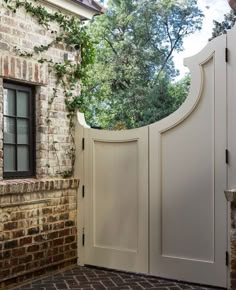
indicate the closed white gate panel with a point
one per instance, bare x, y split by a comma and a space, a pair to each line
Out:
117, 199
188, 221
188, 183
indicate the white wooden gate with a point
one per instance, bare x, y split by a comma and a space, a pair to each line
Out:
151, 199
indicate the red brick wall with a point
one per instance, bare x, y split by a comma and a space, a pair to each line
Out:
38, 230
37, 216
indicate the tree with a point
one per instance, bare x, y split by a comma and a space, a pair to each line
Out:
222, 27
130, 83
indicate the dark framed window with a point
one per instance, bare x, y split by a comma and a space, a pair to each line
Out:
18, 131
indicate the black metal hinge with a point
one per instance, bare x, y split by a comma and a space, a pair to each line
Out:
226, 156
83, 191
226, 54
227, 258
83, 144
83, 238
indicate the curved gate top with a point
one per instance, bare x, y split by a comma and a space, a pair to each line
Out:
151, 199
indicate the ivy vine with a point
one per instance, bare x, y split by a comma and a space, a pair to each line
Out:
73, 36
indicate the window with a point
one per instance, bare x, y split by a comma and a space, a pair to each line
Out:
18, 124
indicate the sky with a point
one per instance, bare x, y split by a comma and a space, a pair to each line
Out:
197, 41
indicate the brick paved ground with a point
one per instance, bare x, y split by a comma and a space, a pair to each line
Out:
91, 278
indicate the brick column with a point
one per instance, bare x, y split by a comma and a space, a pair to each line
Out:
231, 197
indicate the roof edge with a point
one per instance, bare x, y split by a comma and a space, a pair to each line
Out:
95, 6
75, 7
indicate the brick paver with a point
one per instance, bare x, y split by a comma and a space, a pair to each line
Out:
86, 278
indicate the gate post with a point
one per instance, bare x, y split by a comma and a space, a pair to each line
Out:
80, 126
231, 198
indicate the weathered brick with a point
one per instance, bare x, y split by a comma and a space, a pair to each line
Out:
17, 216
69, 239
10, 226
70, 254
6, 66
58, 258
13, 67
64, 216
66, 247
69, 223
9, 263
18, 269
25, 241
25, 259
52, 219
38, 255
4, 46
24, 69
73, 246
11, 244
46, 211
5, 255
46, 228
33, 248
33, 231
18, 252
65, 232
58, 242
59, 225
18, 234
39, 238
4, 273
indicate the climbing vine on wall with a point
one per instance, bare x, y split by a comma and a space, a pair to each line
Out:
73, 36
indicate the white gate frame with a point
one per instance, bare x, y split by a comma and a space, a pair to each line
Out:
214, 50
80, 126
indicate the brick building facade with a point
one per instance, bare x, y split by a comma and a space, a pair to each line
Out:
37, 213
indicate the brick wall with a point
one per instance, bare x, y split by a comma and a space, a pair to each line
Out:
233, 246
37, 216
37, 229
231, 198
53, 140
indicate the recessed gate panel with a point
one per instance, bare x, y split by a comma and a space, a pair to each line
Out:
117, 203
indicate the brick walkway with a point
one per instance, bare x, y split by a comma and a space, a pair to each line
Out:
91, 278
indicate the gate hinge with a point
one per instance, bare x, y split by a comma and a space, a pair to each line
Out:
83, 191
83, 144
226, 156
83, 238
227, 258
226, 54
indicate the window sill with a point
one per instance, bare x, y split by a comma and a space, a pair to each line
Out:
12, 186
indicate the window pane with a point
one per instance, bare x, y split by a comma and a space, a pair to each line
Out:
9, 130
9, 102
22, 131
22, 104
9, 158
23, 158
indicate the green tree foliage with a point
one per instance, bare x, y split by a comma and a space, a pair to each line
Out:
130, 84
222, 27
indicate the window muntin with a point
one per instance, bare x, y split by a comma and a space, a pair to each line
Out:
18, 123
